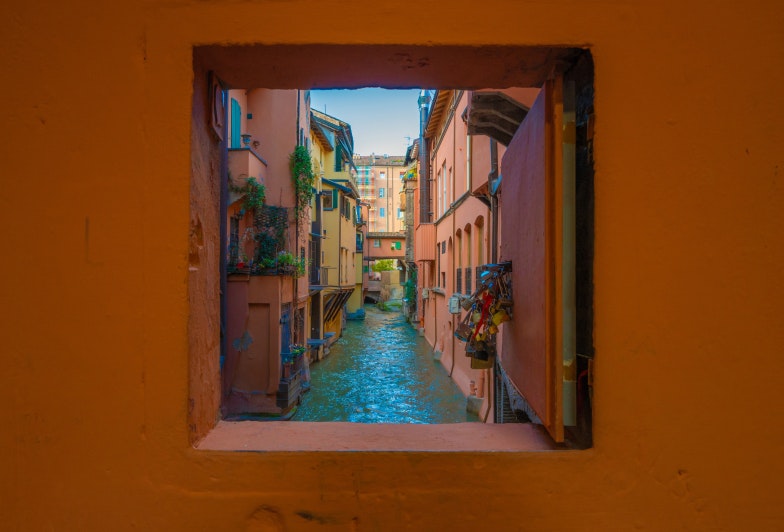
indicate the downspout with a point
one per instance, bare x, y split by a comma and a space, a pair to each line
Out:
224, 244
424, 174
493, 185
454, 246
295, 279
491, 179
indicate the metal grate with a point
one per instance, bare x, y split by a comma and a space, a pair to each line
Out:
459, 282
234, 241
270, 225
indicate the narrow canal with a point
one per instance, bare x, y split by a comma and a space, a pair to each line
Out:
382, 371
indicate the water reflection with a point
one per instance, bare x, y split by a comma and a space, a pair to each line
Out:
381, 371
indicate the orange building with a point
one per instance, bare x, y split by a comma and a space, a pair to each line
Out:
111, 293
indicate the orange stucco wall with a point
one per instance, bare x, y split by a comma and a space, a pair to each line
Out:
688, 276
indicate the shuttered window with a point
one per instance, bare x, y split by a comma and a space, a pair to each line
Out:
236, 123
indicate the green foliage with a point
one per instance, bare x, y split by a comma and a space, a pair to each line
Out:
254, 193
410, 287
384, 265
285, 262
389, 306
302, 175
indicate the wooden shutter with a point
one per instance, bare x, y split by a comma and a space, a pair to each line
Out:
236, 124
532, 211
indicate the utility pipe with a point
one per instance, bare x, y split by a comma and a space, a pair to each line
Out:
491, 181
424, 174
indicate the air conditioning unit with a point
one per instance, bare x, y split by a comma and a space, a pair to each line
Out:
425, 293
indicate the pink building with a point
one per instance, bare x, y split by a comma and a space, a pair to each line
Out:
266, 296
503, 247
453, 238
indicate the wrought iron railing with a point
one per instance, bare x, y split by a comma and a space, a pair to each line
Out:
319, 275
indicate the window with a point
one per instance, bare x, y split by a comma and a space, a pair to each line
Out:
399, 213
236, 124
381, 193
381, 212
330, 201
376, 243
346, 211
397, 244
196, 353
444, 198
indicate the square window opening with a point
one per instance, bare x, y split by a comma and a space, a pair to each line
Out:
569, 178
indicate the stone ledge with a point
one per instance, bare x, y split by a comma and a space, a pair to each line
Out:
293, 436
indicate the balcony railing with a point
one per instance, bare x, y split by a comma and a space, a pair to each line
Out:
318, 276
315, 228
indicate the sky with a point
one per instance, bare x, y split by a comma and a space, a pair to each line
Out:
383, 121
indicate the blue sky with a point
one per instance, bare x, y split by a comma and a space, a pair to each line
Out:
380, 119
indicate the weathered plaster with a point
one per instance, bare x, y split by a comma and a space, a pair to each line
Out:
688, 275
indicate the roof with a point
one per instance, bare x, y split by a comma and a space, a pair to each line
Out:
379, 160
334, 123
347, 187
437, 112
412, 153
321, 135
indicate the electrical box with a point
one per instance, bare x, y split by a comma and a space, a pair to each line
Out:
454, 304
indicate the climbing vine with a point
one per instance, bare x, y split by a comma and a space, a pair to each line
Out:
302, 175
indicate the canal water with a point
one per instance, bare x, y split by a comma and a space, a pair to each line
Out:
382, 371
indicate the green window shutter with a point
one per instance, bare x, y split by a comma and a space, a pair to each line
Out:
236, 123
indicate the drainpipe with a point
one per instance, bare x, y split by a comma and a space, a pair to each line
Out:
454, 262
491, 180
224, 244
493, 185
424, 174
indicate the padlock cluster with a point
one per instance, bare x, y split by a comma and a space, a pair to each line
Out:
488, 307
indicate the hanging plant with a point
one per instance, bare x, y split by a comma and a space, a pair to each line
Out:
254, 192
302, 175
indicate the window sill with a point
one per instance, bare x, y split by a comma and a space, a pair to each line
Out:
294, 436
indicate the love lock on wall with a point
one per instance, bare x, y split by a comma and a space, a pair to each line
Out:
488, 307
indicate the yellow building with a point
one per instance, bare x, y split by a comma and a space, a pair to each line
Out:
333, 145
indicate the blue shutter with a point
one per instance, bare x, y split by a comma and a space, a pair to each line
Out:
236, 122
335, 204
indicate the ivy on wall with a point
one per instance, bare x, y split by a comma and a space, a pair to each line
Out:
302, 175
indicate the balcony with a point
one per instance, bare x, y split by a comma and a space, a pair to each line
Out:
425, 242
318, 276
245, 163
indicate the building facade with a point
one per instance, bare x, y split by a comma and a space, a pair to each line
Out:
380, 182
